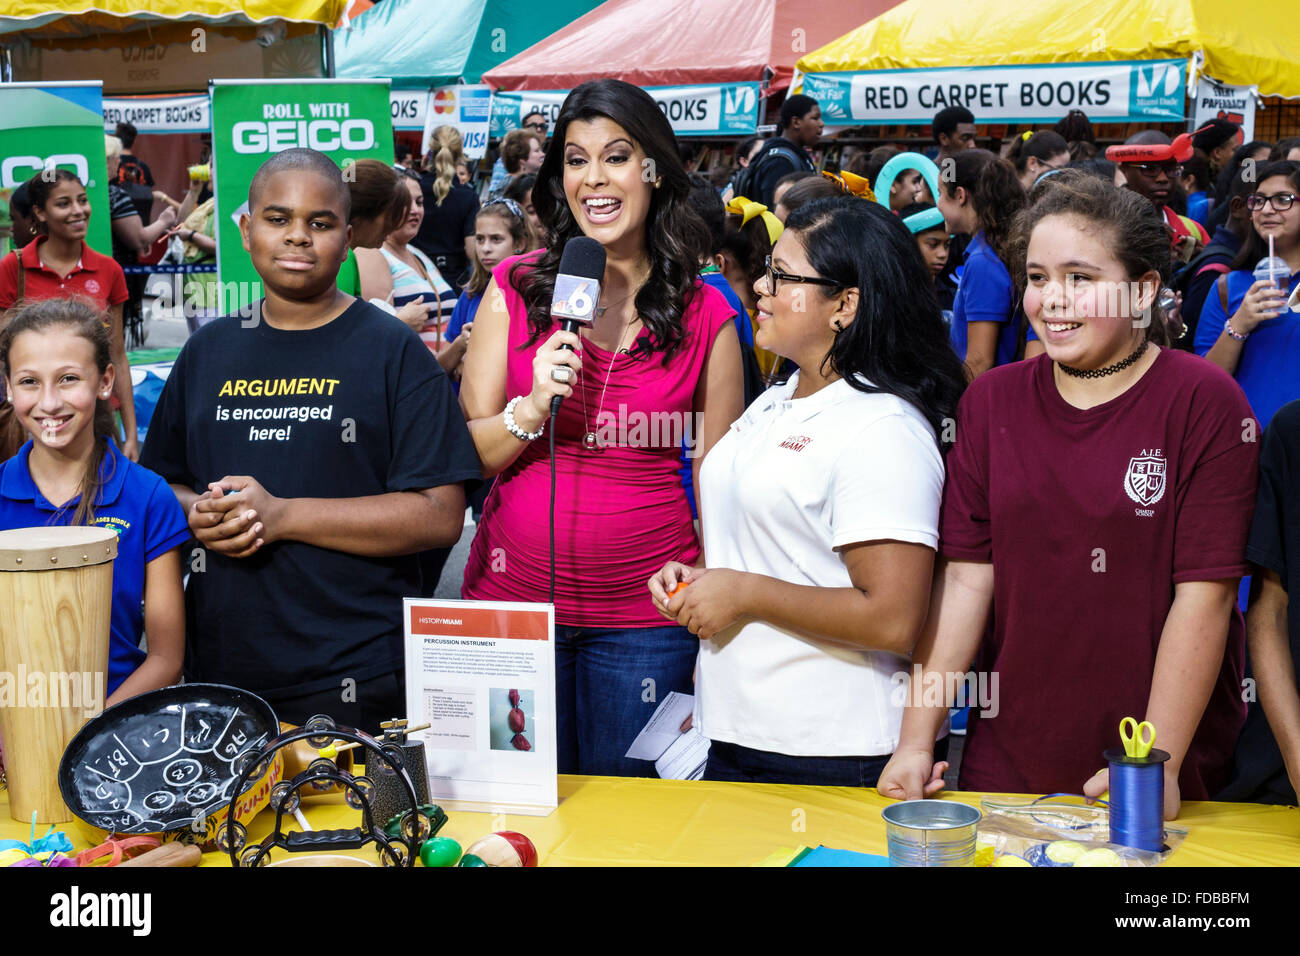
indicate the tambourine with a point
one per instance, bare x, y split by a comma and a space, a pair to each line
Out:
301, 756
323, 775
165, 763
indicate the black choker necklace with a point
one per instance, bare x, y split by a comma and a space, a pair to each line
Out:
1109, 369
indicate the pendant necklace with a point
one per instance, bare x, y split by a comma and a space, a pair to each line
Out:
602, 309
590, 441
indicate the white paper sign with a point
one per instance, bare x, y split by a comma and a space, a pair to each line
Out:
482, 674
1215, 100
159, 114
408, 108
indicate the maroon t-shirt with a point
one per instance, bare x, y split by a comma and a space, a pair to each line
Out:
1090, 517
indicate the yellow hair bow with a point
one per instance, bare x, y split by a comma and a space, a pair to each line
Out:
1026, 134
747, 209
852, 184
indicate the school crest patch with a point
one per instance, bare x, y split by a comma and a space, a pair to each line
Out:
1145, 479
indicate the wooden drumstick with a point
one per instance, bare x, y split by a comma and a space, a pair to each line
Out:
330, 752
169, 854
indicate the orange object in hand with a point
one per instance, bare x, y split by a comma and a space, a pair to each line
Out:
679, 586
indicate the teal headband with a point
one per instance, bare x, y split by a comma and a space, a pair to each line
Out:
925, 219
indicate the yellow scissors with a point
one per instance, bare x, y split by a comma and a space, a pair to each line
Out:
1137, 743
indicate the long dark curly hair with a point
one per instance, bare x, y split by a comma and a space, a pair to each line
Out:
676, 238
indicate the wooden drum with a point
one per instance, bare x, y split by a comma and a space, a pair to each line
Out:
56, 599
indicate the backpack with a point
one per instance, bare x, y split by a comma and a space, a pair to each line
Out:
746, 181
1183, 277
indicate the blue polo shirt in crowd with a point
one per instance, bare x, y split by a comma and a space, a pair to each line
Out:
465, 310
743, 327
135, 503
1269, 357
985, 293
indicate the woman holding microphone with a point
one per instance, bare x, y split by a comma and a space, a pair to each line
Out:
659, 365
820, 509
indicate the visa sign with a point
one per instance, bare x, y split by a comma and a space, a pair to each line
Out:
468, 107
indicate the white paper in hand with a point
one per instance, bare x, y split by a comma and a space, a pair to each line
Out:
678, 756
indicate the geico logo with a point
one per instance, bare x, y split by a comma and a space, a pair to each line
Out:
19, 169
322, 134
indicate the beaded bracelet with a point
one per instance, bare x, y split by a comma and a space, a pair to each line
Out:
1233, 333
513, 427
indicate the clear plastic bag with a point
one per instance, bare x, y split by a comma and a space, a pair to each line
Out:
1058, 830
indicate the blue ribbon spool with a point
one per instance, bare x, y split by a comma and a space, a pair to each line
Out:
1137, 799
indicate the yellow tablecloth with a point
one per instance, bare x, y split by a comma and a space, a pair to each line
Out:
613, 821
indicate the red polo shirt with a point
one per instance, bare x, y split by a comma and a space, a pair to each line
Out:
96, 277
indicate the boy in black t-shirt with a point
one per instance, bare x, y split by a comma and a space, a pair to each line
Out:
316, 449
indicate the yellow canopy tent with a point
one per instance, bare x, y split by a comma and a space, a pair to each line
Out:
160, 46
1241, 44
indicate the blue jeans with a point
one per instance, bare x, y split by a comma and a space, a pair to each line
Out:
608, 683
743, 764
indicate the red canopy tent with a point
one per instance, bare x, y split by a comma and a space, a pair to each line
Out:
681, 42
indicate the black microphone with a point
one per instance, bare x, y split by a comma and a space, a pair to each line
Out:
577, 289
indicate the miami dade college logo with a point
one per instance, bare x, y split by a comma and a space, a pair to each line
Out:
1145, 479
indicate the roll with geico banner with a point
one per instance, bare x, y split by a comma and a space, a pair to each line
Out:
253, 119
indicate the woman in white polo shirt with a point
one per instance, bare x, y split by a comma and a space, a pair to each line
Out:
820, 510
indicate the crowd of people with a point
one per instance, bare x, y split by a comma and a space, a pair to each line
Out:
820, 447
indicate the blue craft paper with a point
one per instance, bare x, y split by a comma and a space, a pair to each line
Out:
826, 856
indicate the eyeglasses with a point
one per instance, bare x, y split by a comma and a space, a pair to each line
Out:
773, 277
1281, 202
1152, 170
539, 127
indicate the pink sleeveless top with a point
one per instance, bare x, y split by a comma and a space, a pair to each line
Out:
620, 512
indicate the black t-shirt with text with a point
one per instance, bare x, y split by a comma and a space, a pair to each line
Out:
356, 407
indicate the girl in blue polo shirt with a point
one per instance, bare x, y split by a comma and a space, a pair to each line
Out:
979, 197
1247, 326
55, 359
